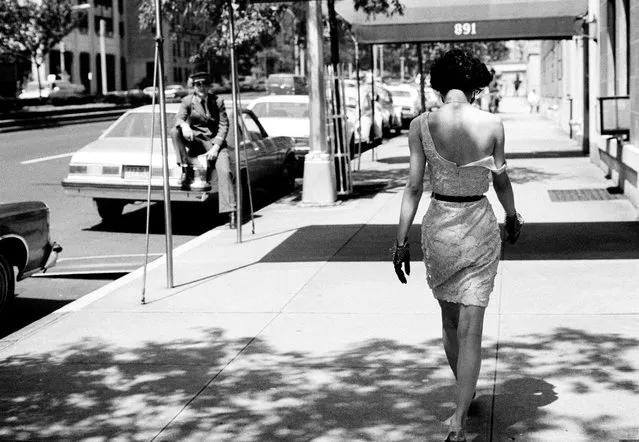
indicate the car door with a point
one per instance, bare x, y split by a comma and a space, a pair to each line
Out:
257, 151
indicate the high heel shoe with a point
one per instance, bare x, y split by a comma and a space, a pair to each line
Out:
456, 436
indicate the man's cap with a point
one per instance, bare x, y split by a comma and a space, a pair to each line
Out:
202, 75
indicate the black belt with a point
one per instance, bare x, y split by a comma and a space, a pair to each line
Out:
457, 199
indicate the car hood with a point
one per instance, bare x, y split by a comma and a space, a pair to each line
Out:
290, 127
19, 208
404, 101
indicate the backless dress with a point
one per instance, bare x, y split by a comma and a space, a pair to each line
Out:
460, 240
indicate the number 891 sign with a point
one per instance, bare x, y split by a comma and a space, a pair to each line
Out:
465, 28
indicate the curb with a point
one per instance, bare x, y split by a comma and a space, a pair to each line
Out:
93, 115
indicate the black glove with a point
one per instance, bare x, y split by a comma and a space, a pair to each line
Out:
401, 254
512, 227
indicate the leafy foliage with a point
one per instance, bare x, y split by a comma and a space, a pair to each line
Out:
34, 27
372, 7
257, 26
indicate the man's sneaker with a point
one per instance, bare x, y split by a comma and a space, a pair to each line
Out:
232, 221
186, 178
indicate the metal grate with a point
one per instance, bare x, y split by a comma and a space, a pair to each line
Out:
570, 195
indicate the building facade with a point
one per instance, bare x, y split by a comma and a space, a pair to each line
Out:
614, 32
128, 51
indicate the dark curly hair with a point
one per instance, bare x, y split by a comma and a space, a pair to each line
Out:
459, 69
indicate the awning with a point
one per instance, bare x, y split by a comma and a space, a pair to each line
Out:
468, 20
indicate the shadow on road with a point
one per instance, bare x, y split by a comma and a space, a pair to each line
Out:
23, 311
190, 219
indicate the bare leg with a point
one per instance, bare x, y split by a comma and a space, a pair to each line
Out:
469, 333
450, 322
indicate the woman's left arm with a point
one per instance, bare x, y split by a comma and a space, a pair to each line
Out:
415, 185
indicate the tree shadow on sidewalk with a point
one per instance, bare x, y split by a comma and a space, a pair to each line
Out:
378, 390
549, 241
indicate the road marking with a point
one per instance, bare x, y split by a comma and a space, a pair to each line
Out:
52, 157
82, 258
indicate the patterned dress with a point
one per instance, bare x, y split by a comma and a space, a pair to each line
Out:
460, 240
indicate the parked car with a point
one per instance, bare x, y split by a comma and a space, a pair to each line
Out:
407, 98
285, 115
432, 98
114, 169
25, 246
175, 92
391, 117
150, 91
286, 84
370, 134
51, 89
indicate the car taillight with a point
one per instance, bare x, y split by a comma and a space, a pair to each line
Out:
74, 168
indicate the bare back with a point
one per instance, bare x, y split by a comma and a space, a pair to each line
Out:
463, 134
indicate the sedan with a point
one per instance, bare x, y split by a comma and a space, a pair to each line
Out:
407, 98
114, 169
175, 92
25, 246
289, 115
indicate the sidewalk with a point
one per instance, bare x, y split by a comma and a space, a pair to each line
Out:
303, 333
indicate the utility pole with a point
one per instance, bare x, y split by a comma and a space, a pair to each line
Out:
319, 170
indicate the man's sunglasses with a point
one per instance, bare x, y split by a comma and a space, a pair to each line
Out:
200, 83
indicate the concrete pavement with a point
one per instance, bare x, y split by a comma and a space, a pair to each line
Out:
302, 332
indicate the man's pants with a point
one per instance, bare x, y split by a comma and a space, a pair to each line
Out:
187, 151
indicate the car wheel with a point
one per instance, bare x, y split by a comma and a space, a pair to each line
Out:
7, 282
108, 209
287, 178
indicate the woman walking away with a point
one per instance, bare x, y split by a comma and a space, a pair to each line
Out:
460, 234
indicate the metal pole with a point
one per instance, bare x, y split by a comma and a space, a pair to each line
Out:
238, 114
420, 61
585, 145
159, 40
359, 107
373, 51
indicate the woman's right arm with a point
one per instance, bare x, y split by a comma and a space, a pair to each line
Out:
415, 186
501, 181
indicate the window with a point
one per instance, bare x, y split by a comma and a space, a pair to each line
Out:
623, 48
121, 26
611, 12
83, 22
252, 128
108, 26
123, 73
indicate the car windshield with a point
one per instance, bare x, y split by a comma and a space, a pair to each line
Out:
138, 125
280, 79
281, 110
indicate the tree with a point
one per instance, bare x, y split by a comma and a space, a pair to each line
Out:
32, 28
256, 22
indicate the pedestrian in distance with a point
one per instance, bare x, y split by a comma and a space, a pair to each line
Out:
533, 101
201, 126
495, 93
461, 241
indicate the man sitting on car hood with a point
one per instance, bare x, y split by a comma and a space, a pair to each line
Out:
201, 127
